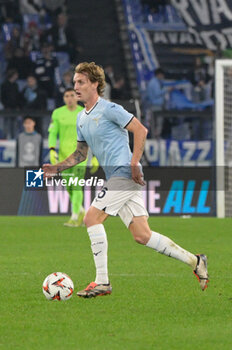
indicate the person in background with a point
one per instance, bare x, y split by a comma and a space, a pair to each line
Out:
115, 85
65, 84
11, 98
200, 81
199, 72
13, 43
155, 90
110, 75
9, 12
63, 37
29, 145
155, 102
54, 8
10, 94
34, 97
119, 91
47, 70
31, 39
21, 63
63, 127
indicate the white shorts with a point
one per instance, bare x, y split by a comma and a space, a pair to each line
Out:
121, 196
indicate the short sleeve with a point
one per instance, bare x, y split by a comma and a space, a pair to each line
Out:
80, 137
118, 115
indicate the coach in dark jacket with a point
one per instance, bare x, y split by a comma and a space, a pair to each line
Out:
11, 97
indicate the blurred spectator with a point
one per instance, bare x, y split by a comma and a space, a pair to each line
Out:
155, 94
11, 97
67, 82
155, 102
63, 38
53, 8
110, 76
107, 92
29, 145
199, 72
46, 70
118, 92
16, 36
201, 82
21, 63
31, 38
9, 12
116, 84
13, 43
199, 93
34, 97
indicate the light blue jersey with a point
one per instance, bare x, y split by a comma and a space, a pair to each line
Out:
103, 129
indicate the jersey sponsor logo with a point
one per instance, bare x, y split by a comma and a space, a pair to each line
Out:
34, 178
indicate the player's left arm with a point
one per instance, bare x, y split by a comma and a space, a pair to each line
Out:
140, 135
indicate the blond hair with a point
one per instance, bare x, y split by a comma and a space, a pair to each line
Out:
95, 74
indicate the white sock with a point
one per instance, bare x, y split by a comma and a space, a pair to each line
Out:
99, 247
74, 216
166, 246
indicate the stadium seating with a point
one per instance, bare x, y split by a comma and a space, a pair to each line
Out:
139, 18
44, 23
7, 30
103, 44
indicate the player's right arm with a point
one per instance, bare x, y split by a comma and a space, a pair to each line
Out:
75, 158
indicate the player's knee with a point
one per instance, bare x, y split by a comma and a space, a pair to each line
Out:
142, 238
141, 234
139, 239
87, 220
90, 219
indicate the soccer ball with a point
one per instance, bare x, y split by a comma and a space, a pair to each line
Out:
58, 286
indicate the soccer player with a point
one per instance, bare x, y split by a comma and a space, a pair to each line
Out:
104, 127
63, 126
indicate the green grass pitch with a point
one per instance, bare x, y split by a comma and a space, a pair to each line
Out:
156, 301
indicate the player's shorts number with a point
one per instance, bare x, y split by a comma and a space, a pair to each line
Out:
102, 193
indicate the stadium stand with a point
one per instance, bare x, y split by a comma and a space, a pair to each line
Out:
154, 29
38, 27
125, 35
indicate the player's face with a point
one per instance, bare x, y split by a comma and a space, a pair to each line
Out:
70, 98
84, 88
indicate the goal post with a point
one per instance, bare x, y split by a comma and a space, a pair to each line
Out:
223, 137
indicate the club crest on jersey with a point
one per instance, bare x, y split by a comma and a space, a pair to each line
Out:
97, 120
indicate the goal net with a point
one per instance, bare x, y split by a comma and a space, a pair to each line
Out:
223, 133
